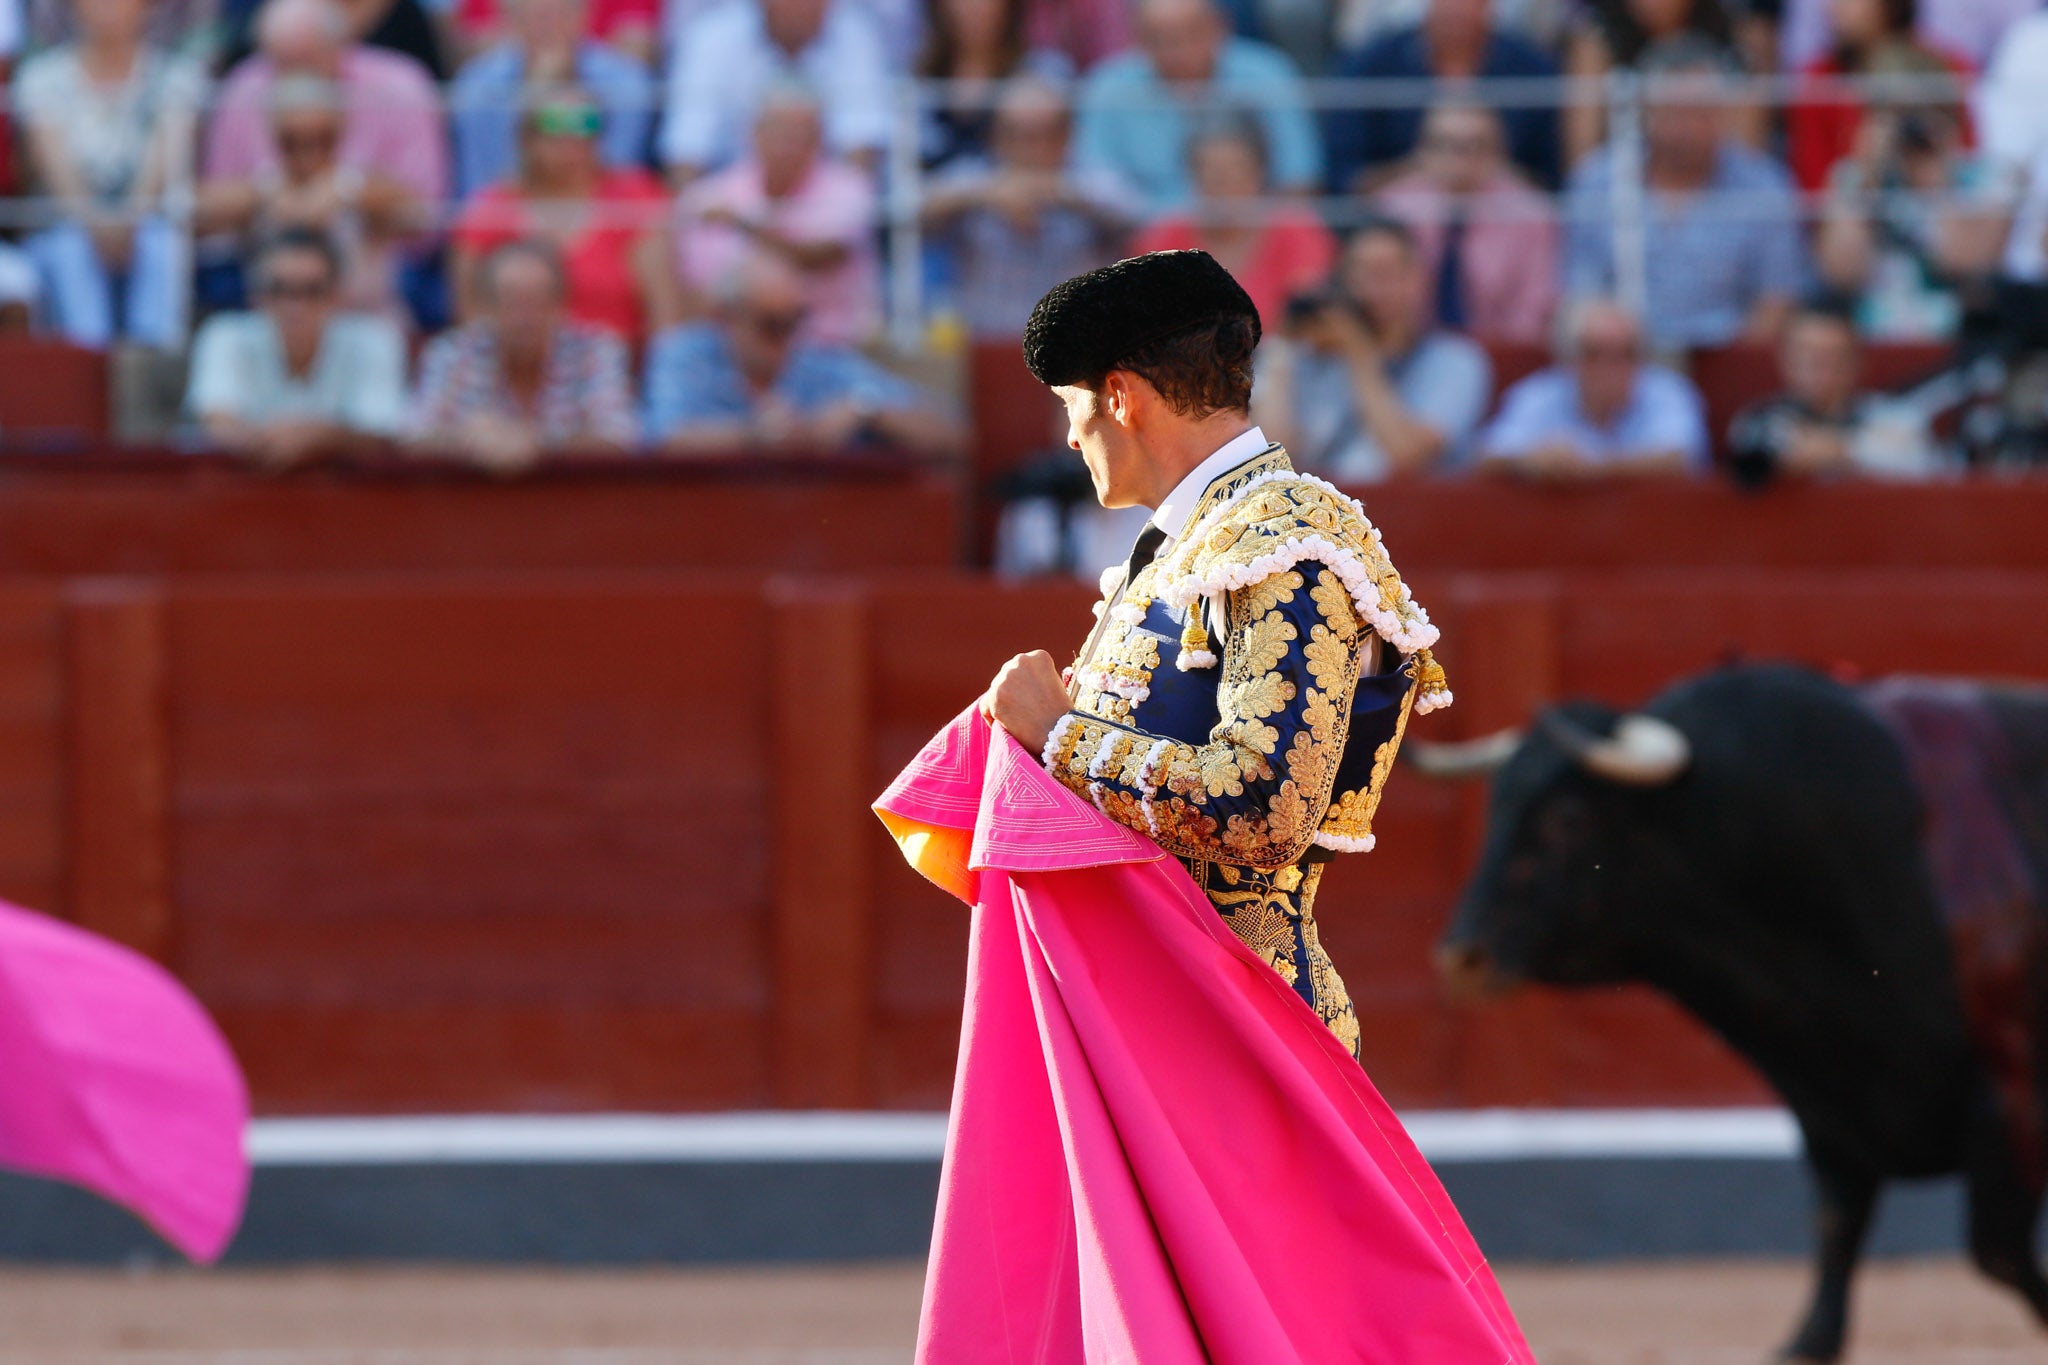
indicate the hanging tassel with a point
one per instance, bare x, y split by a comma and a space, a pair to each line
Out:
1432, 688
1194, 644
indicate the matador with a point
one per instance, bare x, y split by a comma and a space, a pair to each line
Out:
1256, 658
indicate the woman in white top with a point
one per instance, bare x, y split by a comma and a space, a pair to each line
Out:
108, 123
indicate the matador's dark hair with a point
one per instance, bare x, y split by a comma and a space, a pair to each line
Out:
1176, 319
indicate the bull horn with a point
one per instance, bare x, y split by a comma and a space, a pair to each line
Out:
1462, 758
1644, 751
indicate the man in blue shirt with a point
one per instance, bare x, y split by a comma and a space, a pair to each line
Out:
746, 381
1722, 253
1455, 41
1136, 109
545, 47
1602, 414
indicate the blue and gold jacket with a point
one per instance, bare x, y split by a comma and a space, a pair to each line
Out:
1254, 765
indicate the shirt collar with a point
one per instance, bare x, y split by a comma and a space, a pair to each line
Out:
1171, 516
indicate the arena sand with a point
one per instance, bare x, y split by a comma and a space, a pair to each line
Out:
1694, 1313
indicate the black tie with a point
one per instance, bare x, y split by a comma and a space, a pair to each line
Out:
1144, 551
1450, 274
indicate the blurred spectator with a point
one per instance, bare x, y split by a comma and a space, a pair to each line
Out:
1872, 38
1614, 34
1085, 31
745, 380
1488, 240
976, 45
899, 24
608, 224
1015, 227
1456, 41
1603, 412
2012, 116
1135, 110
522, 380
1354, 23
392, 113
189, 28
544, 47
1915, 223
298, 378
1824, 422
730, 55
1722, 253
1969, 29
21, 290
629, 27
1302, 29
108, 121
793, 200
359, 209
1365, 385
1275, 248
403, 27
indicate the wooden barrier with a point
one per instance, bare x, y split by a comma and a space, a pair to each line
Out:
598, 836
153, 512
560, 842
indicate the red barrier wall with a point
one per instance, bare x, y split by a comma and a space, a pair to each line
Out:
599, 838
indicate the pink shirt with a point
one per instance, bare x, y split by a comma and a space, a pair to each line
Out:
835, 203
1292, 254
394, 122
1510, 254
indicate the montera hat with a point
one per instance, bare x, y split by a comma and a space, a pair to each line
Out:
1087, 326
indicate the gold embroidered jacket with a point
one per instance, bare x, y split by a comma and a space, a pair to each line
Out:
1254, 763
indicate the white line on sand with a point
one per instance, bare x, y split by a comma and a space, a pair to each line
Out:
827, 1136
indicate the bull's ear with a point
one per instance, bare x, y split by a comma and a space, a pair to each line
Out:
1479, 757
1643, 751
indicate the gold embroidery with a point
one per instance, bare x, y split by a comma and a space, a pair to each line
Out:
1260, 918
1330, 657
1264, 645
1257, 698
1335, 603
1263, 596
1221, 775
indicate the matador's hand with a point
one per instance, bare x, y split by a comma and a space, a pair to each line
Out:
1027, 698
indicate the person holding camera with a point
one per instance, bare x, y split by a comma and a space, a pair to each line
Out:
1365, 386
1915, 221
1823, 423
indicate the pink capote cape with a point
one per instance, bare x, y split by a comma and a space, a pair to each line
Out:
1158, 1153
113, 1077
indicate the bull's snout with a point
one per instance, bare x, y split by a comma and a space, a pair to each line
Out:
1468, 972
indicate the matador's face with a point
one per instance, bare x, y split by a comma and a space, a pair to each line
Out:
1107, 446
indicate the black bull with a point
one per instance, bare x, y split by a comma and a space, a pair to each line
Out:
1848, 884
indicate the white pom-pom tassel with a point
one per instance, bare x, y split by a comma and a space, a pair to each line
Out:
1056, 738
1188, 660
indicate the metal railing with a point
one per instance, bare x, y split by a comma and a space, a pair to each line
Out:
1622, 97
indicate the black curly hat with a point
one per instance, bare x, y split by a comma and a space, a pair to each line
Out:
1085, 327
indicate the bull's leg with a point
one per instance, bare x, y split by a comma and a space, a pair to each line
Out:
1847, 1194
2004, 1206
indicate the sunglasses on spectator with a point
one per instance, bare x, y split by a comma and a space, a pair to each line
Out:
566, 120
776, 326
297, 291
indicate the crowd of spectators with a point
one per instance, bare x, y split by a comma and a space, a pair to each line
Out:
491, 229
